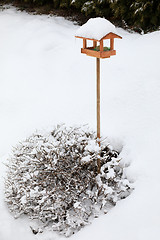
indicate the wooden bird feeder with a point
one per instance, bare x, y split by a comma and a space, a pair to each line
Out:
98, 49
97, 30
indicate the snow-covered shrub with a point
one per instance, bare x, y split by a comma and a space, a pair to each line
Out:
53, 177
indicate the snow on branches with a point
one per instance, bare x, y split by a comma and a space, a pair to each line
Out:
53, 177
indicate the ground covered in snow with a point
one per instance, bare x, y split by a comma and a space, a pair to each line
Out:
44, 80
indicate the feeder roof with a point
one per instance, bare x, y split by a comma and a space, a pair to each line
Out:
96, 28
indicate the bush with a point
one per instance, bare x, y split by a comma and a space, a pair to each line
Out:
146, 14
137, 14
53, 178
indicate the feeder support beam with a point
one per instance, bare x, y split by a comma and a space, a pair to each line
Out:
84, 43
94, 44
112, 44
101, 46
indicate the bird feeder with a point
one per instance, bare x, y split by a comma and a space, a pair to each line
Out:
98, 49
97, 30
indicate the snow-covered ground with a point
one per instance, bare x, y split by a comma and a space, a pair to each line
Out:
45, 80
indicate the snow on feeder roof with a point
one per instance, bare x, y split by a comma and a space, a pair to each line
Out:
97, 30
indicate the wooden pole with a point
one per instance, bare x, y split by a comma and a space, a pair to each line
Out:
98, 110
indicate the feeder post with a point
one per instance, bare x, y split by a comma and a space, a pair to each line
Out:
98, 110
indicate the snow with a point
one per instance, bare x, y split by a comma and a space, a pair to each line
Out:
45, 80
76, 205
96, 28
92, 146
86, 159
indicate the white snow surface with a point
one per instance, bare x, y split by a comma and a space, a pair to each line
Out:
96, 28
45, 80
